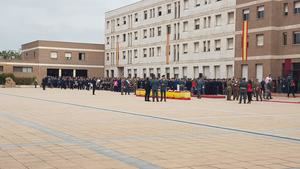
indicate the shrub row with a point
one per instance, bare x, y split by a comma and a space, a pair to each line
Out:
18, 80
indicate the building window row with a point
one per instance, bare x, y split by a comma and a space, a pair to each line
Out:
260, 11
155, 12
18, 69
68, 56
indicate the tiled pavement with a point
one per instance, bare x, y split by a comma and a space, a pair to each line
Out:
75, 130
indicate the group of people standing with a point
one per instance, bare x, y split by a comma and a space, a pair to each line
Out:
243, 90
235, 89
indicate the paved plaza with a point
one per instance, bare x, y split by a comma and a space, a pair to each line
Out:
64, 129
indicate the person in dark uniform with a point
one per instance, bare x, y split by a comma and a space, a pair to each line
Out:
44, 83
243, 90
154, 87
94, 85
163, 89
147, 87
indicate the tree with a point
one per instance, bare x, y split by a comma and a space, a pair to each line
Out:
10, 55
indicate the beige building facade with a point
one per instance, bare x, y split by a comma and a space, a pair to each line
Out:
57, 59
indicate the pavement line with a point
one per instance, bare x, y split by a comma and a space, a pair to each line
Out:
254, 133
132, 161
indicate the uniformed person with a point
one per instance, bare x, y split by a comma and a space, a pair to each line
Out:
243, 90
163, 89
235, 87
147, 87
94, 85
258, 90
229, 89
154, 87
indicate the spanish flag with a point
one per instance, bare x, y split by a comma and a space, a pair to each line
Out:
168, 49
245, 41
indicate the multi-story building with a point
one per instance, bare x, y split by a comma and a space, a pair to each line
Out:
57, 59
273, 40
176, 38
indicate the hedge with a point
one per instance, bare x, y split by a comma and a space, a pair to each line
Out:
18, 80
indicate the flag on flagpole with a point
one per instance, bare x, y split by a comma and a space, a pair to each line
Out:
168, 49
245, 41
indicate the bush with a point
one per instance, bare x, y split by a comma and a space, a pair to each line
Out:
24, 81
4, 76
18, 80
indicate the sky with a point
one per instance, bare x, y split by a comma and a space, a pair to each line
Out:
23, 21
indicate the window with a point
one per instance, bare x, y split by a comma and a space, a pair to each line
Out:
207, 2
158, 51
151, 52
204, 46
136, 17
230, 17
218, 45
68, 56
297, 7
197, 3
53, 55
124, 20
168, 29
246, 14
285, 9
169, 9
22, 69
107, 56
197, 24
107, 25
151, 32
136, 35
196, 47
124, 37
260, 12
159, 11
229, 43
124, 54
260, 40
204, 22
145, 15
118, 21
217, 71
107, 40
208, 21
185, 26
145, 33
145, 52
81, 56
135, 53
218, 20
186, 4
185, 48
208, 46
206, 72
1, 69
159, 31
284, 38
296, 37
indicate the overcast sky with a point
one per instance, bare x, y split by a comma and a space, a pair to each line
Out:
23, 21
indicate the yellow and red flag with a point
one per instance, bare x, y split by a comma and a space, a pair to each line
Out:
168, 49
245, 41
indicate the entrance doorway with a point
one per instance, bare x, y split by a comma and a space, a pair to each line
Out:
67, 72
81, 73
52, 72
